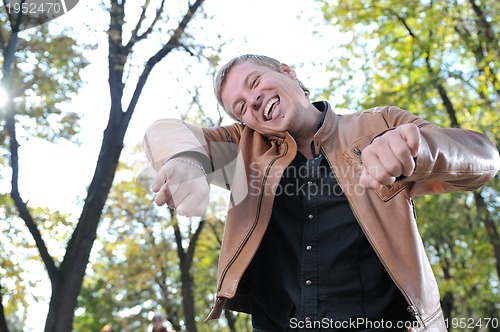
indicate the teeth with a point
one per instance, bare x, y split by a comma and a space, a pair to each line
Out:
269, 106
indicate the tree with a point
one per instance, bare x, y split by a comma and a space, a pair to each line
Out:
40, 72
153, 261
165, 260
438, 59
11, 270
67, 277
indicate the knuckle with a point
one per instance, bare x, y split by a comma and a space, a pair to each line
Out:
159, 201
381, 174
394, 169
377, 141
400, 149
181, 211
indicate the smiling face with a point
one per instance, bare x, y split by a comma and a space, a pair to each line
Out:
266, 100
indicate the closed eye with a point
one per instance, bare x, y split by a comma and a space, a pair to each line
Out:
239, 110
242, 108
255, 82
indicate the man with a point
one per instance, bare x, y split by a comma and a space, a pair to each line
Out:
321, 231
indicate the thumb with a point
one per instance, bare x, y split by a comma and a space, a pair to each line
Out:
163, 174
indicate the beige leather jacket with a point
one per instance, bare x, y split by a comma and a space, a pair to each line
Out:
251, 166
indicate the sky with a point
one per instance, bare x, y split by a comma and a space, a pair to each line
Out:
259, 26
56, 175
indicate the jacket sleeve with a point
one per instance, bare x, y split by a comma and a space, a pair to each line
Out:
215, 148
452, 159
449, 159
169, 137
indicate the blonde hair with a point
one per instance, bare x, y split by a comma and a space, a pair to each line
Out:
262, 60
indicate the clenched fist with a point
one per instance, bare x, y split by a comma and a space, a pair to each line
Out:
390, 156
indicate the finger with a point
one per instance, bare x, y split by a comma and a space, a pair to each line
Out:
170, 203
193, 205
391, 151
399, 160
163, 195
368, 182
376, 174
187, 187
191, 198
380, 163
179, 193
412, 137
163, 174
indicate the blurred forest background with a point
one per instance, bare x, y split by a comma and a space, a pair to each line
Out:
117, 259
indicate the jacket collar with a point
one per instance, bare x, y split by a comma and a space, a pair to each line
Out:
327, 128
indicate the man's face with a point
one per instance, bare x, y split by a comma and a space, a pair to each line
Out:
264, 99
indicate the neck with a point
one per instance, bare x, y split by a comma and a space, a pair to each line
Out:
308, 125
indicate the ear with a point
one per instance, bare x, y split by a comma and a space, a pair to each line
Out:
286, 69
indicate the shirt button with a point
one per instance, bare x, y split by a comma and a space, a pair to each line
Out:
307, 319
309, 282
309, 248
311, 217
309, 183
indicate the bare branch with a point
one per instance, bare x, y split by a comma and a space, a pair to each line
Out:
403, 21
483, 26
22, 207
135, 37
194, 240
173, 43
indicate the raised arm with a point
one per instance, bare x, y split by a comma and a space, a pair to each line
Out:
433, 159
186, 158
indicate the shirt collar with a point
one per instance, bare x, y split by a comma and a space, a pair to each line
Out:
321, 106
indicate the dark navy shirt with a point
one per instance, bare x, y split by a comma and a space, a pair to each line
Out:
315, 265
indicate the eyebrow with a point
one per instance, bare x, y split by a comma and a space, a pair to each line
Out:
246, 83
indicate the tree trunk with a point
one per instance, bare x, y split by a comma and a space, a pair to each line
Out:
483, 213
231, 320
188, 299
490, 226
66, 287
447, 300
185, 263
66, 279
447, 304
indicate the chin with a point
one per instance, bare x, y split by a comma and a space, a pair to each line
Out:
280, 134
266, 132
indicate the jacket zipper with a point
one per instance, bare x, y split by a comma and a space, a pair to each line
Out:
411, 307
247, 236
414, 313
228, 137
357, 152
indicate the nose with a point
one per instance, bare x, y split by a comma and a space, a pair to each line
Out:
256, 100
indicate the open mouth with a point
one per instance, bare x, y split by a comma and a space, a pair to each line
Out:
270, 108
